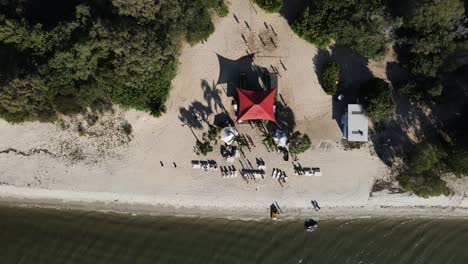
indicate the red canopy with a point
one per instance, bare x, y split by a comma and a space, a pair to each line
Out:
256, 105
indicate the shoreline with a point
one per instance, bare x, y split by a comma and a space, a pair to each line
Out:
36, 198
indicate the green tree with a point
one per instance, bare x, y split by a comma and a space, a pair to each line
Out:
270, 6
142, 10
429, 35
458, 161
422, 175
376, 98
120, 51
203, 147
269, 141
24, 37
423, 158
26, 99
363, 25
423, 185
310, 27
330, 77
299, 143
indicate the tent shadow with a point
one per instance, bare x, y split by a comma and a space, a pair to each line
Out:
229, 71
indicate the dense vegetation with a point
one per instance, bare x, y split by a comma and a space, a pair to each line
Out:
428, 34
330, 78
375, 96
421, 175
299, 143
363, 25
271, 6
64, 56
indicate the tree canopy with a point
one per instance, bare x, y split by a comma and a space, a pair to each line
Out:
428, 35
363, 25
271, 6
376, 98
299, 143
330, 77
123, 52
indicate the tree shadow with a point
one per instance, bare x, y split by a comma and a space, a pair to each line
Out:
396, 73
394, 137
284, 117
195, 115
353, 72
229, 71
292, 8
213, 97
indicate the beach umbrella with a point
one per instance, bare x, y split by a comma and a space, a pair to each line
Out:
280, 138
228, 134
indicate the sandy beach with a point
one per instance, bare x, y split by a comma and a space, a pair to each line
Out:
74, 164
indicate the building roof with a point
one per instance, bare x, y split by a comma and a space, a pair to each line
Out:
256, 105
358, 124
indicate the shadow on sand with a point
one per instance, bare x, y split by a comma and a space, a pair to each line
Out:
229, 71
195, 115
353, 72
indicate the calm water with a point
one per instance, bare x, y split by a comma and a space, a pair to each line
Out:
51, 236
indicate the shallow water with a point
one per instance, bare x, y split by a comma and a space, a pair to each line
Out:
53, 236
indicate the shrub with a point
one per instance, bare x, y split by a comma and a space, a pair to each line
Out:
222, 9
365, 26
330, 77
270, 6
126, 128
422, 173
309, 28
203, 147
423, 158
376, 98
299, 143
435, 90
419, 90
457, 161
410, 89
423, 185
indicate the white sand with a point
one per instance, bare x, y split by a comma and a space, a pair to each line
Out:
104, 169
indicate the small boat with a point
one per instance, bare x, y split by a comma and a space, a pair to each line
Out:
310, 225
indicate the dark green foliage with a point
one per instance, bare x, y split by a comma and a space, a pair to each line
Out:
411, 89
458, 161
203, 147
423, 185
213, 134
299, 143
330, 77
269, 141
423, 158
376, 98
422, 173
25, 99
270, 6
310, 27
222, 9
363, 25
419, 90
118, 52
126, 128
428, 35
